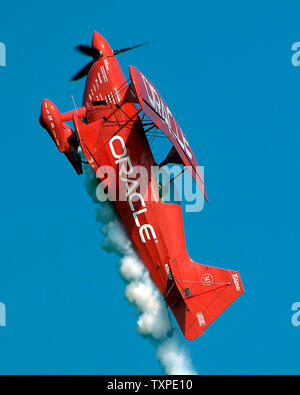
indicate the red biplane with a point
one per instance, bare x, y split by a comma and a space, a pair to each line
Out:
110, 129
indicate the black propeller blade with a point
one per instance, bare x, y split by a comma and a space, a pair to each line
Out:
95, 54
90, 51
83, 72
118, 51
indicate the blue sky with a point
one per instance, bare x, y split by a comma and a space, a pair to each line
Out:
225, 70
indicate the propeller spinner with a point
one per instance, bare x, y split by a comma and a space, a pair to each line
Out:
96, 54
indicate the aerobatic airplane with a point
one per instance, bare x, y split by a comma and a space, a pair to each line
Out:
111, 129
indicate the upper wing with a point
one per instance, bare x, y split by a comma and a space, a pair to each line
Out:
154, 106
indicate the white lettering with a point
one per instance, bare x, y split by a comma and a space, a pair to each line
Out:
138, 196
168, 271
201, 319
145, 228
112, 148
164, 112
235, 278
121, 156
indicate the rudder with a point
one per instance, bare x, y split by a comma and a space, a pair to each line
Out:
205, 291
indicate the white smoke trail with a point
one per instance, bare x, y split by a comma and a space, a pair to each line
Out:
153, 319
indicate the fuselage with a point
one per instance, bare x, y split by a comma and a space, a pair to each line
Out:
121, 144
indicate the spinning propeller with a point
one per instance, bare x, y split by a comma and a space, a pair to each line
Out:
96, 54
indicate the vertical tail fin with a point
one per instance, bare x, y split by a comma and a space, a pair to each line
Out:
203, 293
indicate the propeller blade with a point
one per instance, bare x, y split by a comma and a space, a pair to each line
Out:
89, 51
118, 51
95, 54
83, 72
